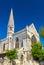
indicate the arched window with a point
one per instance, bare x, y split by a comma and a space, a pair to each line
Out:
17, 43
3, 47
22, 44
10, 28
10, 39
33, 39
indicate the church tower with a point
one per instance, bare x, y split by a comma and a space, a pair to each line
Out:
10, 30
10, 24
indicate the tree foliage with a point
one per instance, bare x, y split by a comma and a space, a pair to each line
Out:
11, 54
41, 32
37, 51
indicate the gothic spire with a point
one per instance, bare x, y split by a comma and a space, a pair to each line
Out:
10, 30
11, 19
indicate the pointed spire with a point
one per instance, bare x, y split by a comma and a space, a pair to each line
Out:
10, 30
11, 18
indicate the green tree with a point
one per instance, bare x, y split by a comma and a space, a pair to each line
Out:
41, 32
12, 55
36, 50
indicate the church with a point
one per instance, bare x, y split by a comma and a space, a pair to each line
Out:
21, 40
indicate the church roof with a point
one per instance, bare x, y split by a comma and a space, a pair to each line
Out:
33, 29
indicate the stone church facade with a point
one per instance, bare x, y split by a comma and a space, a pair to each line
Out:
21, 40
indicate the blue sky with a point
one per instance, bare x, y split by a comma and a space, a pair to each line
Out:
25, 13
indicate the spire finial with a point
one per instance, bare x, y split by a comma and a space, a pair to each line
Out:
11, 18
11, 11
